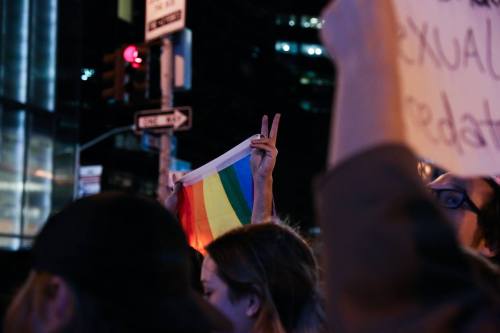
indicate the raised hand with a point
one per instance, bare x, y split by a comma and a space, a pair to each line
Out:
263, 160
264, 151
361, 36
359, 33
172, 196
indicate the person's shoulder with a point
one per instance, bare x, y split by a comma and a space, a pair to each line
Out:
370, 166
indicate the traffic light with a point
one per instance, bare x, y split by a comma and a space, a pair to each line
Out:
113, 77
136, 79
126, 74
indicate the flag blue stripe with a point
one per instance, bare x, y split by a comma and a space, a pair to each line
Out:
244, 174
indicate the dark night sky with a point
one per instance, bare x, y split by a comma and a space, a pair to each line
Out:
237, 77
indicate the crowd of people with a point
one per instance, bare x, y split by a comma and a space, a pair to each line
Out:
399, 255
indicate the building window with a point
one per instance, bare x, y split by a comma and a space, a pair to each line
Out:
87, 73
311, 22
286, 47
312, 78
309, 106
286, 20
312, 50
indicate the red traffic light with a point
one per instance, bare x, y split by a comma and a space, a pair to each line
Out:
131, 55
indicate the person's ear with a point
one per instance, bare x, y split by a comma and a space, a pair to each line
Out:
253, 305
58, 305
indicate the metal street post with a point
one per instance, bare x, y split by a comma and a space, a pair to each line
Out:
162, 21
167, 101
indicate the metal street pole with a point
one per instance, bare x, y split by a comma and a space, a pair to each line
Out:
88, 144
167, 101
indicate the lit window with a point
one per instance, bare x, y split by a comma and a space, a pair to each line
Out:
290, 20
310, 22
306, 105
286, 47
87, 73
312, 50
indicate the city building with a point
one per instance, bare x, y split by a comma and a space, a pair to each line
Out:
38, 105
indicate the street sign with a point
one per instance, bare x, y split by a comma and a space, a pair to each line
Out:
89, 181
157, 121
164, 17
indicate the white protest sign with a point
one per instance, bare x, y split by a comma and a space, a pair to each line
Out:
449, 60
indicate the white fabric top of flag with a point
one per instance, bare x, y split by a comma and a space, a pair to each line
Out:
233, 155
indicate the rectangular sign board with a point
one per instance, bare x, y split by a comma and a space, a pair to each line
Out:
89, 181
164, 17
449, 61
158, 121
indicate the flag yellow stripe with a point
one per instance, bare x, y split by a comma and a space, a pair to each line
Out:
220, 213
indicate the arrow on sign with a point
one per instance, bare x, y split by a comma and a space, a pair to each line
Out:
158, 120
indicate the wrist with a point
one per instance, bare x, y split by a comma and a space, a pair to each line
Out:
263, 180
377, 81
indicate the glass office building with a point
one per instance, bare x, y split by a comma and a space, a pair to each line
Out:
37, 141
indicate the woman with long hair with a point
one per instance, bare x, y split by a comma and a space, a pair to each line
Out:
264, 278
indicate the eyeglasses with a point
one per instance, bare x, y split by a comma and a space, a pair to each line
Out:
454, 199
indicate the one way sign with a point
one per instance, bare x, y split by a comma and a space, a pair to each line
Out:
157, 121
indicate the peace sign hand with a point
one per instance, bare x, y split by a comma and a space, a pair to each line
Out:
264, 150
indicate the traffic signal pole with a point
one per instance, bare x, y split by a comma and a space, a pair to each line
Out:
167, 101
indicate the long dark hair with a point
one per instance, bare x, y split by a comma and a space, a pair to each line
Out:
489, 221
275, 263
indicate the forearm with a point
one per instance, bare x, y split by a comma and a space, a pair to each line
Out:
262, 200
367, 111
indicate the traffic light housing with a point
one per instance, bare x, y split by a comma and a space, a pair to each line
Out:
113, 77
136, 79
126, 74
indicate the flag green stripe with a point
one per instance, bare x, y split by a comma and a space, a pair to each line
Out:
234, 194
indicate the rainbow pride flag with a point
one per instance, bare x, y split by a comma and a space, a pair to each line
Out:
218, 196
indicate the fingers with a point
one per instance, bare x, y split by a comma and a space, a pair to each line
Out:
264, 126
265, 141
265, 147
274, 127
264, 129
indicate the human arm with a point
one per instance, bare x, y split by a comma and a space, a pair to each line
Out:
361, 38
393, 264
263, 160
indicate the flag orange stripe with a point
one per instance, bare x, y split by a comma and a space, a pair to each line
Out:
200, 219
186, 213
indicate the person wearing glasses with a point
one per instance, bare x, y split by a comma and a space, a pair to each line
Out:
473, 207
392, 260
